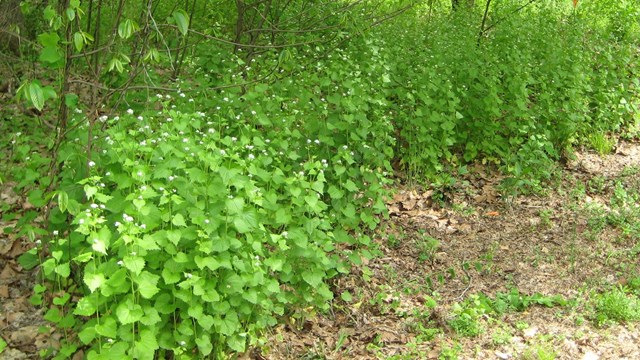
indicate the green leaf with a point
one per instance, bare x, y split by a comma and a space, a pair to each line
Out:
234, 206
237, 343
245, 222
346, 296
36, 96
94, 281
147, 284
206, 321
227, 325
49, 39
170, 277
151, 316
107, 327
135, 264
71, 14
50, 55
78, 41
313, 278
208, 261
204, 344
63, 269
63, 200
87, 334
182, 21
90, 191
178, 220
29, 259
129, 312
146, 347
61, 300
85, 307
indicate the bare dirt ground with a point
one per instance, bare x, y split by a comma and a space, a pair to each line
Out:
478, 243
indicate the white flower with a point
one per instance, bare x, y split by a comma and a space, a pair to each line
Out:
140, 118
182, 95
81, 221
117, 224
120, 263
182, 343
94, 206
130, 112
92, 164
140, 173
55, 232
285, 234
251, 157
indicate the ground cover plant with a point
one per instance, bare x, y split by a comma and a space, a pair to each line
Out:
195, 177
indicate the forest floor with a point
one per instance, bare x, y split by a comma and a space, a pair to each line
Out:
483, 277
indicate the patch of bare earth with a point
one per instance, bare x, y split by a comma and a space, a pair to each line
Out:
487, 245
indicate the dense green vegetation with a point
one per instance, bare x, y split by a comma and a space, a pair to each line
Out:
206, 168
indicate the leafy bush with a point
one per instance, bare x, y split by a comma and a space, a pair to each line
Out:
198, 233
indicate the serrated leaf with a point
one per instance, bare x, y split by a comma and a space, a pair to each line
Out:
147, 284
151, 316
178, 220
227, 325
182, 21
93, 281
145, 348
135, 264
313, 278
90, 191
246, 221
128, 312
234, 206
64, 270
107, 327
237, 343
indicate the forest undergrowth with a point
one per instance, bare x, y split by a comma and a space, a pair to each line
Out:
173, 194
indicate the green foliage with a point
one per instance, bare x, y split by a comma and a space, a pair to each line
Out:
199, 231
615, 306
541, 80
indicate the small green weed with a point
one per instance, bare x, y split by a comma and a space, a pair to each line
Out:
466, 317
602, 143
616, 306
539, 352
428, 246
